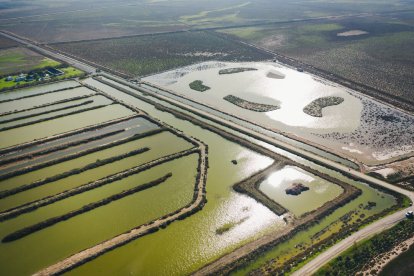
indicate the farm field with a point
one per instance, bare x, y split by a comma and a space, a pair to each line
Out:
156, 53
373, 51
7, 43
75, 20
16, 60
21, 67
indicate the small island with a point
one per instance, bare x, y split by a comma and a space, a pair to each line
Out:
235, 70
296, 189
257, 107
198, 85
314, 109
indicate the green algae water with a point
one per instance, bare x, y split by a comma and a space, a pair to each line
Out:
158, 148
68, 237
181, 248
186, 246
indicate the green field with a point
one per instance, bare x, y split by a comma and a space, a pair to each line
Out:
17, 60
151, 54
22, 60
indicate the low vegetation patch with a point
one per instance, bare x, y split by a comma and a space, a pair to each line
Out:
314, 109
257, 107
235, 70
360, 254
198, 85
228, 226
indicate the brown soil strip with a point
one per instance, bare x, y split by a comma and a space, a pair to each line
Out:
91, 206
250, 186
99, 163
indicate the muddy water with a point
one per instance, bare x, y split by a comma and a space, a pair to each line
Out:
24, 256
41, 130
158, 147
320, 191
128, 133
35, 116
44, 99
97, 99
187, 245
126, 124
36, 90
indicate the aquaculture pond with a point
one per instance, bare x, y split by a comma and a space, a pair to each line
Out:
187, 245
157, 144
39, 89
51, 127
70, 236
24, 118
320, 191
20, 104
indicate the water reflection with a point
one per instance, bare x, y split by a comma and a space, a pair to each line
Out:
320, 190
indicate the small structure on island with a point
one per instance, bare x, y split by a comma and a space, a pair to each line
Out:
296, 189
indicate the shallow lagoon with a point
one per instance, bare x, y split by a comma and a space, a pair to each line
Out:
320, 191
292, 91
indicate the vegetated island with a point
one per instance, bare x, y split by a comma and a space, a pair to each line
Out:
228, 226
235, 70
296, 189
198, 85
257, 107
315, 107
